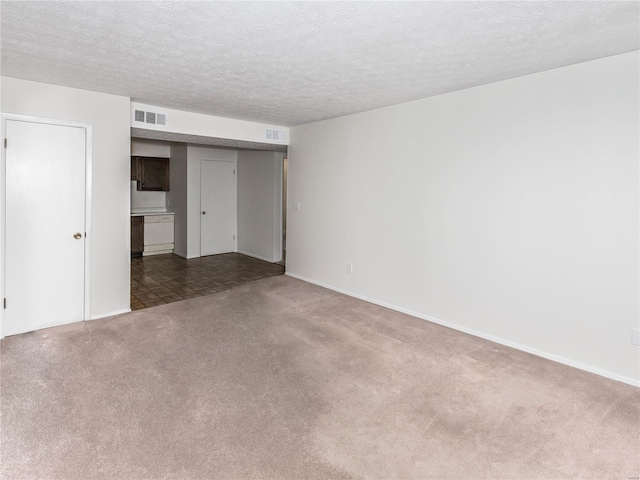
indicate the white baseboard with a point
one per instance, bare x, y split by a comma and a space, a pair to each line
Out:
111, 314
256, 256
183, 255
126, 310
534, 351
163, 251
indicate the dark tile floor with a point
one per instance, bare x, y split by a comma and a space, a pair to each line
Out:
160, 279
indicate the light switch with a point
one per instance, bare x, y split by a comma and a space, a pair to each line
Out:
296, 206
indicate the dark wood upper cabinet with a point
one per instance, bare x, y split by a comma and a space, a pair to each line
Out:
151, 173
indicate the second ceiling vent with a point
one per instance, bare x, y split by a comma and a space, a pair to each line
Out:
153, 118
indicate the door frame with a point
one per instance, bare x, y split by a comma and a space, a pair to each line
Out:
235, 199
4, 117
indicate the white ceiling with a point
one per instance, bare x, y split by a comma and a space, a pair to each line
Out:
290, 63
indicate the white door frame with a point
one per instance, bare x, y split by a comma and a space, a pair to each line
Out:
87, 204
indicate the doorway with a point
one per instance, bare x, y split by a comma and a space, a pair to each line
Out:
45, 249
216, 195
285, 169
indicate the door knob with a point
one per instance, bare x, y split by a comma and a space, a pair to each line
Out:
204, 213
77, 235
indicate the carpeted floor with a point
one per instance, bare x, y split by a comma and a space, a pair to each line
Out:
283, 379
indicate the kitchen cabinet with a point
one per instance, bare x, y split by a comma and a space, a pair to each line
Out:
137, 235
150, 173
135, 173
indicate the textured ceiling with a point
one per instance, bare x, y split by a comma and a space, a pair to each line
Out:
290, 63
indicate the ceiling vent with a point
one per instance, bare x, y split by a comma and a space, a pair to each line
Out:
139, 116
275, 135
152, 118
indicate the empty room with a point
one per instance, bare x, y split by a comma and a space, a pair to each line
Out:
460, 212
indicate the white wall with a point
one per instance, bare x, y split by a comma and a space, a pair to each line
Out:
189, 123
260, 204
150, 148
110, 227
195, 154
148, 200
177, 196
508, 210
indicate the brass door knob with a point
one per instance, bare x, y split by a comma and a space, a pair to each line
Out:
77, 235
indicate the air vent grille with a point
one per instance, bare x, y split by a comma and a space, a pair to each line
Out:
275, 135
139, 116
151, 118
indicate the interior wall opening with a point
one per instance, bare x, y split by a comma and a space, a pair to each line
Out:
186, 199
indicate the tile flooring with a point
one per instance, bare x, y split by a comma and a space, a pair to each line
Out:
160, 279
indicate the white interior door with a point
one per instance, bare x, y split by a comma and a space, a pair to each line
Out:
217, 207
44, 225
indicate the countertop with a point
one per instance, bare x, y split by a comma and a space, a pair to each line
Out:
142, 213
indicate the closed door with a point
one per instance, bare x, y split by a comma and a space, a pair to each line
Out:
217, 207
45, 225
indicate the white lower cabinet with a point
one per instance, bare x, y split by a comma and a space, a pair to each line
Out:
158, 234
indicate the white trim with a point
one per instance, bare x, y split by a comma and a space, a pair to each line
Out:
88, 185
549, 356
88, 128
162, 250
45, 120
105, 315
276, 236
3, 129
235, 202
256, 256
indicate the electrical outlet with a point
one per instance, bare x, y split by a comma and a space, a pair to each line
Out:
296, 206
349, 268
635, 336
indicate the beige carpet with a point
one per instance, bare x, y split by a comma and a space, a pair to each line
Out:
283, 379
